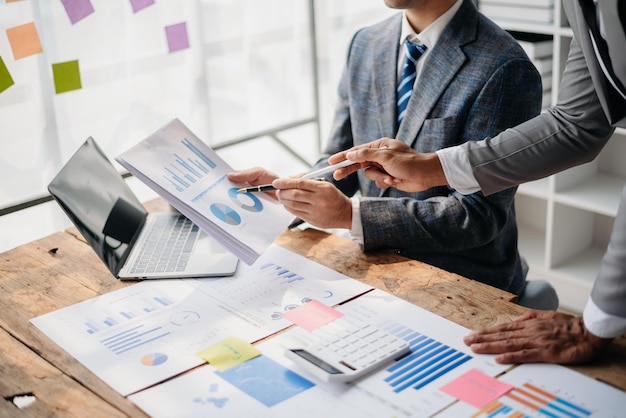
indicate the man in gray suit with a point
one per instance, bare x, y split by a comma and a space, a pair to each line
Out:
473, 81
591, 104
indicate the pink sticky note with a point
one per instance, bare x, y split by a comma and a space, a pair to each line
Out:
140, 4
476, 388
177, 36
312, 315
77, 9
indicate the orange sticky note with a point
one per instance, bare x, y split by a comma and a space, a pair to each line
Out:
24, 40
312, 315
476, 388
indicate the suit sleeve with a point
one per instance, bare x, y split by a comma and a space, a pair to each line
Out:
340, 137
571, 133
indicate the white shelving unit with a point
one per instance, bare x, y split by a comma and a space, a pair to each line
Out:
565, 220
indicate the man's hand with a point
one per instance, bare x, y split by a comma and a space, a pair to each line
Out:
392, 163
538, 337
254, 177
317, 202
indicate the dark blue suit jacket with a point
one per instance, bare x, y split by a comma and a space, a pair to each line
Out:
476, 82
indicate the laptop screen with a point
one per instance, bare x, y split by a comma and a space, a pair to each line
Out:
99, 203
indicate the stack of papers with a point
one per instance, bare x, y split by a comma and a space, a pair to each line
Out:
187, 173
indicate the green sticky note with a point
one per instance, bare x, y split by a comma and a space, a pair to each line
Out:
228, 353
66, 76
6, 80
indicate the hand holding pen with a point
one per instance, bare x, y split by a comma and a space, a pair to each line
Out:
312, 175
259, 175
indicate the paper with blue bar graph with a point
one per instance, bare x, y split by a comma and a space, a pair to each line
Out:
410, 386
190, 175
143, 334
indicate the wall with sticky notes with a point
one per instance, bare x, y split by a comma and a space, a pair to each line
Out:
239, 73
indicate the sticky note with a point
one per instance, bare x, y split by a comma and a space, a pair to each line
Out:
476, 388
177, 37
66, 76
77, 9
312, 315
6, 80
24, 40
140, 4
228, 353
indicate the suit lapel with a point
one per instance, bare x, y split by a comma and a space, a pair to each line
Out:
438, 72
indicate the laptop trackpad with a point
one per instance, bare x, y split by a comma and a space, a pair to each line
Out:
210, 258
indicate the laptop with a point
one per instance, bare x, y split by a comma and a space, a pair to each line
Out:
133, 243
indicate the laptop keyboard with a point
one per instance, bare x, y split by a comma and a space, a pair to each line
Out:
168, 246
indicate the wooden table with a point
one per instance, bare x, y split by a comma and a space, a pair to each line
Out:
61, 269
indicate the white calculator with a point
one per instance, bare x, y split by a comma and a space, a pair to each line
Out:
345, 349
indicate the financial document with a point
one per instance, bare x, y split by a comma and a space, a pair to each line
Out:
145, 333
192, 177
273, 386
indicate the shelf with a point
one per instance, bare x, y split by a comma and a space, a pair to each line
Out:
538, 188
599, 194
532, 246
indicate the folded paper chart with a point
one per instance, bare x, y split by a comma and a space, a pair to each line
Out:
190, 175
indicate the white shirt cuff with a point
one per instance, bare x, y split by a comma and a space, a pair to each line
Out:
458, 171
356, 232
602, 324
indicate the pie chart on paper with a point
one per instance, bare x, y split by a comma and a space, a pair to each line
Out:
225, 214
153, 359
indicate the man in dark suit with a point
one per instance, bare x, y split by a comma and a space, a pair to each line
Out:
473, 80
591, 104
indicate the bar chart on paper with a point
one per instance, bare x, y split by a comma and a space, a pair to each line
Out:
186, 169
429, 360
410, 386
548, 390
530, 399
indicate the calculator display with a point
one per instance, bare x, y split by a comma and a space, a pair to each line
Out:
316, 361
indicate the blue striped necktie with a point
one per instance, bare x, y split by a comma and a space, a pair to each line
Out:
412, 52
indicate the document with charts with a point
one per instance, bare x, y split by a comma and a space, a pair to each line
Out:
143, 334
273, 386
187, 173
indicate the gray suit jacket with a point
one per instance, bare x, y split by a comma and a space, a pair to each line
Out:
571, 133
475, 82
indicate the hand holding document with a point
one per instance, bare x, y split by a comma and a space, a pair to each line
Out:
193, 178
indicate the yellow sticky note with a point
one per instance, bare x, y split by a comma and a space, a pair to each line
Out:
228, 353
24, 40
